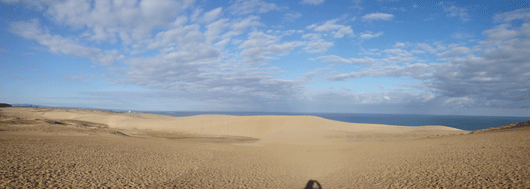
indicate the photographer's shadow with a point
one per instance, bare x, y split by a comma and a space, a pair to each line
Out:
311, 185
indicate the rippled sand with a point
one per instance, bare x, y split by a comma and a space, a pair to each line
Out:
84, 148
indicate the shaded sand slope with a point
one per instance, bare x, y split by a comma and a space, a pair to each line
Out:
279, 129
78, 149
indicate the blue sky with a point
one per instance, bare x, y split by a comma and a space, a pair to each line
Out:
383, 56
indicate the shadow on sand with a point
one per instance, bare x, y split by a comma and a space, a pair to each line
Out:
311, 185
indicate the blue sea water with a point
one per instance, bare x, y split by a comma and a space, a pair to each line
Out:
463, 122
468, 123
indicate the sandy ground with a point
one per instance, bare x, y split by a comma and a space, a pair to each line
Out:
44, 148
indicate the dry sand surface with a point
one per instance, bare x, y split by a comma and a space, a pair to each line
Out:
44, 148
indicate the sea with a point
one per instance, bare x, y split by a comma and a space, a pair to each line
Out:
464, 122
468, 123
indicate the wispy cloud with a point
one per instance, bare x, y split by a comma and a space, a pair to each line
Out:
468, 81
259, 45
455, 51
356, 5
212, 15
58, 44
399, 45
82, 78
369, 34
429, 48
377, 16
312, 2
346, 89
242, 7
315, 43
454, 11
418, 71
181, 52
338, 59
291, 17
461, 35
337, 30
519, 14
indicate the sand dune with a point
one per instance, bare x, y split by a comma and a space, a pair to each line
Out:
84, 148
279, 129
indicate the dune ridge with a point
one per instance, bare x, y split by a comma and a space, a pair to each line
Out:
285, 129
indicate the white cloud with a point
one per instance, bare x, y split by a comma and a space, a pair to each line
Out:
108, 20
239, 26
337, 30
500, 33
369, 35
456, 11
214, 30
431, 17
312, 2
251, 88
291, 17
398, 45
260, 47
370, 52
212, 15
377, 16
197, 56
338, 59
519, 14
179, 21
416, 103
196, 15
371, 102
459, 101
189, 53
343, 32
173, 37
455, 51
525, 29
58, 44
417, 71
491, 80
79, 78
190, 64
308, 77
241, 7
398, 52
430, 49
356, 5
316, 44
398, 56
461, 35
417, 51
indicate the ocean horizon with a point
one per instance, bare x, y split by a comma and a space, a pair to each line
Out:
464, 122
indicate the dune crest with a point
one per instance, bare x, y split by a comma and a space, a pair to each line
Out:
275, 129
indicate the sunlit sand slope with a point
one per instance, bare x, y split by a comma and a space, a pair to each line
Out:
278, 129
43, 148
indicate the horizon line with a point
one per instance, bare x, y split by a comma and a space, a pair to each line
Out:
199, 111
